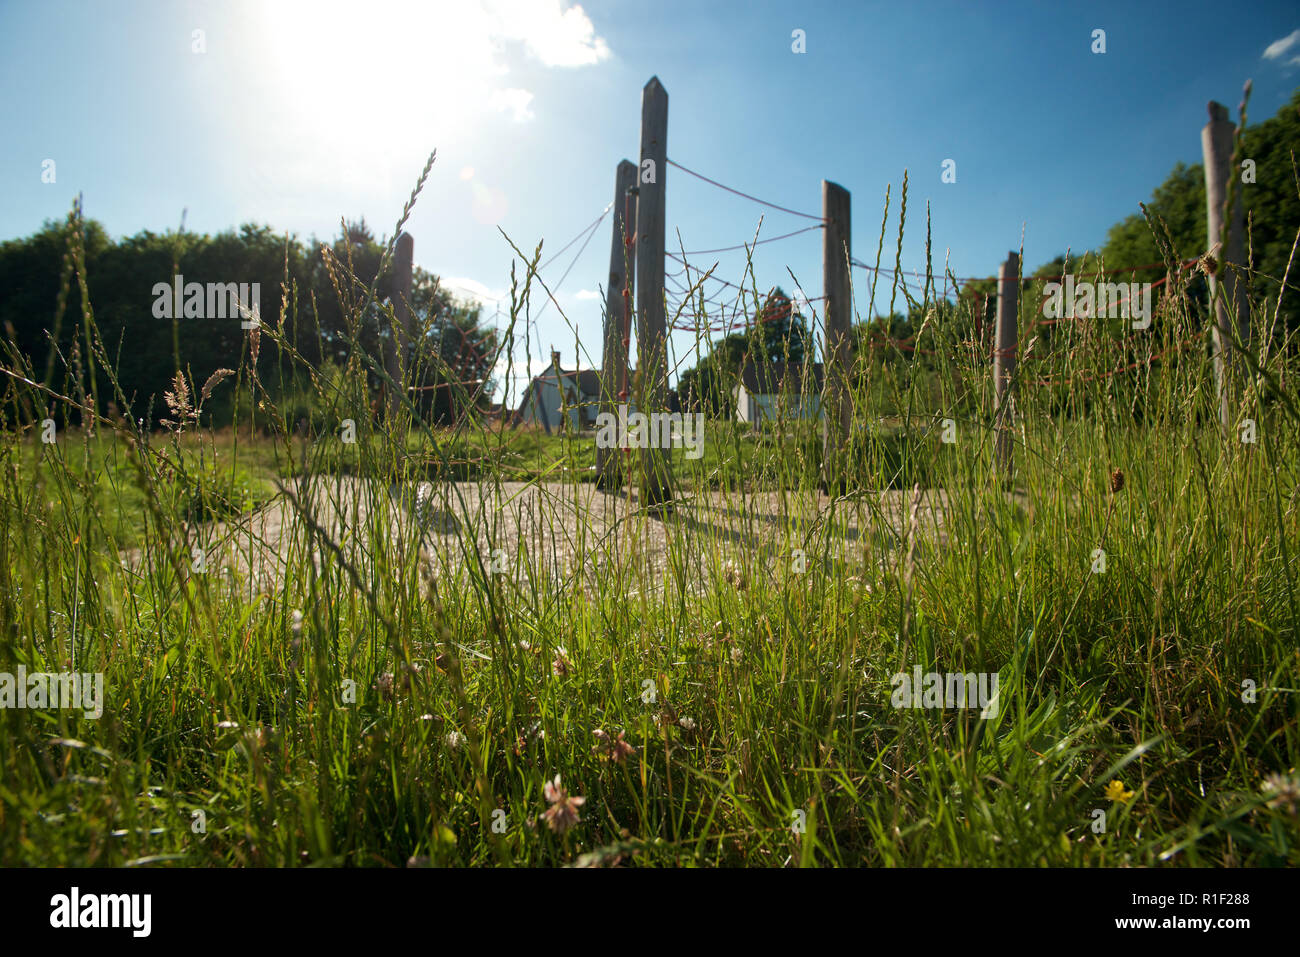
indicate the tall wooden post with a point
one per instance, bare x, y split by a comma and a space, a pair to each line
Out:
1004, 360
398, 357
618, 292
652, 343
838, 311
1230, 307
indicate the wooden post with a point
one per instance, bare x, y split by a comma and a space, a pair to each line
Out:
1230, 307
613, 365
1004, 360
652, 342
838, 311
398, 357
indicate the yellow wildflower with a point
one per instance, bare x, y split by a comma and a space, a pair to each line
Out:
1115, 792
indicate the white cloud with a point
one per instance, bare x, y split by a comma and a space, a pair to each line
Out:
465, 288
552, 34
522, 370
1279, 47
514, 100
520, 376
586, 294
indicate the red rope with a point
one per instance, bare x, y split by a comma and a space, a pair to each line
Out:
1180, 347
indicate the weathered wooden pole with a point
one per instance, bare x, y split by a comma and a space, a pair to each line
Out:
618, 293
1004, 360
837, 402
398, 357
652, 342
1229, 307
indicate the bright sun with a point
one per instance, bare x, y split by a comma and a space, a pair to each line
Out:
396, 76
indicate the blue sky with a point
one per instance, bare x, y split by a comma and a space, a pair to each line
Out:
299, 113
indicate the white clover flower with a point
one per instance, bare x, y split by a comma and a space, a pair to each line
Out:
734, 575
563, 812
1282, 790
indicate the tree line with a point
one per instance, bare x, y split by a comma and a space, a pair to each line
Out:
312, 291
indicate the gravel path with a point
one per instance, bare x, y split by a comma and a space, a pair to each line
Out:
549, 534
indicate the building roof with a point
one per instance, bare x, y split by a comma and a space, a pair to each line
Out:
769, 378
587, 380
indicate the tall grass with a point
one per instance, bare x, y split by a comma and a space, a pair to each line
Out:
397, 687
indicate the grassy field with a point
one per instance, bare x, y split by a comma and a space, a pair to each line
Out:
1134, 592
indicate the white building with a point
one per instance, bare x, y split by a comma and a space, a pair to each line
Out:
779, 389
556, 390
